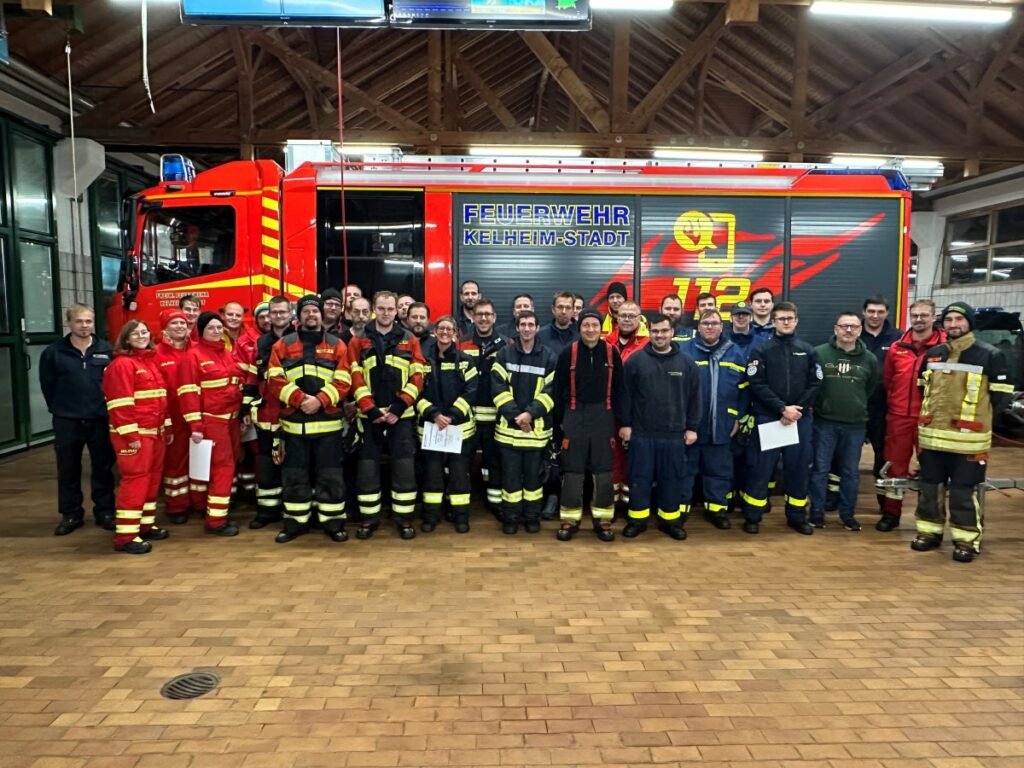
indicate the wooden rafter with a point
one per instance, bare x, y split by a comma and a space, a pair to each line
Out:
570, 82
507, 119
242, 50
693, 53
801, 48
620, 75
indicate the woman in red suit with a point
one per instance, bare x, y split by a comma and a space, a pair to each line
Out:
136, 397
210, 393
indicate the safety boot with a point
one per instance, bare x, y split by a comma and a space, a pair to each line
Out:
290, 531
405, 530
925, 542
134, 547
567, 531
633, 529
673, 531
155, 534
963, 552
604, 531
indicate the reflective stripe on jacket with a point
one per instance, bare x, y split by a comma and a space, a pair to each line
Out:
209, 384
309, 363
136, 394
523, 382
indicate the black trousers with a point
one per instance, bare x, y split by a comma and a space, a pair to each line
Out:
521, 487
587, 447
399, 440
963, 476
268, 478
490, 461
457, 485
313, 462
70, 438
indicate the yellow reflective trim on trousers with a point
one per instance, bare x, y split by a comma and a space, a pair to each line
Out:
753, 501
173, 492
403, 495
301, 519
211, 499
336, 507
639, 514
369, 498
432, 498
128, 513
133, 528
269, 492
536, 495
669, 514
458, 499
494, 495
511, 497
571, 514
370, 509
927, 526
602, 513
149, 506
796, 502
715, 508
959, 534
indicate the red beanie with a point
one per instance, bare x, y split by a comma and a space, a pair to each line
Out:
171, 314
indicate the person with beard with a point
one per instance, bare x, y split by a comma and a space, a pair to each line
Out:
350, 293
449, 390
387, 377
522, 302
136, 395
561, 331
360, 314
522, 380
483, 346
878, 336
309, 374
469, 295
660, 416
210, 393
672, 308
417, 320
588, 385
965, 382
245, 351
903, 403
264, 410
614, 296
334, 311
721, 365
627, 337
170, 353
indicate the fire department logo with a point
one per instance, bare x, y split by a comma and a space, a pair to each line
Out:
699, 232
843, 367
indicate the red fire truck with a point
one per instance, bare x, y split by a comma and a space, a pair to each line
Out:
825, 238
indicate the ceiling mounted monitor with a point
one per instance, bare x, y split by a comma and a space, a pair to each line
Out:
538, 15
330, 13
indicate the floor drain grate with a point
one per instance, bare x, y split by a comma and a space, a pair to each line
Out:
191, 685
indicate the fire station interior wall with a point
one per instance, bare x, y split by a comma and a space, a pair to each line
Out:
842, 250
928, 230
542, 244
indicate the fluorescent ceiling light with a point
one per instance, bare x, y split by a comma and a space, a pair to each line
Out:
626, 6
366, 149
524, 150
713, 155
915, 165
927, 12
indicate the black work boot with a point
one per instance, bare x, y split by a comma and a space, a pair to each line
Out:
604, 531
567, 531
291, 529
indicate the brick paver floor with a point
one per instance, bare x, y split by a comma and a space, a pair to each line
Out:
838, 650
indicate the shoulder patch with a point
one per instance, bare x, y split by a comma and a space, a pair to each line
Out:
818, 372
751, 367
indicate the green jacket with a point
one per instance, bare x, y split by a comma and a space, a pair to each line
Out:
849, 379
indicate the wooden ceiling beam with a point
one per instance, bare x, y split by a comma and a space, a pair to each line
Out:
175, 136
242, 50
620, 74
324, 76
491, 99
570, 82
742, 11
801, 51
435, 80
693, 53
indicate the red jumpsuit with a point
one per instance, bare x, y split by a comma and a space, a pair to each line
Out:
210, 391
903, 403
620, 480
244, 351
176, 495
137, 405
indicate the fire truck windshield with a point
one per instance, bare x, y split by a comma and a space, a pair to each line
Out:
186, 242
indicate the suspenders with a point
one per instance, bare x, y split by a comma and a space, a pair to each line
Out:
572, 376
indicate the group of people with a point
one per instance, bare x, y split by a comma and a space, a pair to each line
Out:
651, 412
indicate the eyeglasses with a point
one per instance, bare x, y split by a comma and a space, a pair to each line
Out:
628, 316
848, 327
710, 323
483, 314
785, 319
444, 329
332, 304
922, 317
138, 334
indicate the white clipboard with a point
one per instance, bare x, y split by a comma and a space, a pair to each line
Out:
447, 440
199, 457
775, 434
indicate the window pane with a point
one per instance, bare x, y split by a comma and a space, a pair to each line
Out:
968, 267
180, 243
5, 289
1008, 263
967, 233
108, 213
8, 426
36, 262
31, 185
1010, 224
38, 414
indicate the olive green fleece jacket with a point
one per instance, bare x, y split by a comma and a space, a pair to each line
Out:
849, 379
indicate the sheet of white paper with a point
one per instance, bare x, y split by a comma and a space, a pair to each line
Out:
444, 440
249, 433
774, 434
199, 455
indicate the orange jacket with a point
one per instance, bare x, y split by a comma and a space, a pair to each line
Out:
636, 341
136, 394
387, 371
209, 384
297, 370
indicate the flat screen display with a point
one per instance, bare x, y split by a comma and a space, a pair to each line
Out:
298, 12
492, 14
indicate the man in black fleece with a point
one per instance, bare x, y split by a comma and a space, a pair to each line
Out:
660, 415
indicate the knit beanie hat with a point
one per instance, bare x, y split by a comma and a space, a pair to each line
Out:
964, 309
331, 293
619, 288
263, 306
589, 312
171, 314
205, 319
309, 300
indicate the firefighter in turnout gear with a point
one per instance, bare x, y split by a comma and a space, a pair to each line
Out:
483, 345
449, 390
210, 393
588, 383
522, 380
660, 415
309, 374
965, 382
387, 377
136, 395
264, 410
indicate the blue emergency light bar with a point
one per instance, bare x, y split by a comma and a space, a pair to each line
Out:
176, 168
